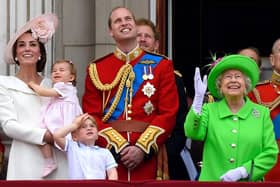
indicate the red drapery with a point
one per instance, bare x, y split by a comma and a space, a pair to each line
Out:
153, 183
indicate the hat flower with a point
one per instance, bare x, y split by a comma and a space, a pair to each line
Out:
43, 30
235, 61
214, 62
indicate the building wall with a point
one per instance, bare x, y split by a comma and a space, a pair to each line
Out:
83, 32
13, 15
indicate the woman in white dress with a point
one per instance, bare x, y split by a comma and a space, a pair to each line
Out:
20, 106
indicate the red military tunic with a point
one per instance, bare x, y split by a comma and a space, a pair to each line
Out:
268, 93
155, 102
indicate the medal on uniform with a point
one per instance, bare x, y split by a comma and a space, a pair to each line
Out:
150, 76
148, 107
145, 76
148, 89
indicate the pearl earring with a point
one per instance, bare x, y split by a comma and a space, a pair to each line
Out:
39, 58
16, 59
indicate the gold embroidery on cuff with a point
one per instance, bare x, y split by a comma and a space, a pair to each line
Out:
114, 138
148, 138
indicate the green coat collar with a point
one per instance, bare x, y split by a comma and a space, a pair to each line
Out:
224, 110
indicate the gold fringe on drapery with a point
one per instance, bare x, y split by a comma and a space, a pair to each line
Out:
162, 164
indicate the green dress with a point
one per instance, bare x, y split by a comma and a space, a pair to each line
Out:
233, 140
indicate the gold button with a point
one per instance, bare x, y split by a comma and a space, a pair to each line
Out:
136, 53
235, 118
231, 160
234, 131
233, 145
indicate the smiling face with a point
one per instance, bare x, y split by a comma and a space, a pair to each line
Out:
146, 38
27, 50
61, 72
122, 24
233, 83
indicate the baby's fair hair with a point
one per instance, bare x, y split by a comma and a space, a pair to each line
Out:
92, 120
72, 68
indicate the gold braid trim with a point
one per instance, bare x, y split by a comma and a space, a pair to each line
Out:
210, 99
99, 85
121, 77
257, 96
114, 138
271, 105
148, 138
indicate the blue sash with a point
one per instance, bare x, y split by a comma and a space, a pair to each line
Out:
276, 124
138, 70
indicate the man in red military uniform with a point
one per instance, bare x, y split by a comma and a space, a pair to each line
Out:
268, 93
133, 96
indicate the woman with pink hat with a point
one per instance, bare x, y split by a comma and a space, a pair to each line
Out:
21, 106
239, 141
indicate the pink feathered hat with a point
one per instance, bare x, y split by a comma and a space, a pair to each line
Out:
42, 28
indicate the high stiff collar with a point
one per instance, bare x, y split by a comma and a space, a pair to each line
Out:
275, 77
133, 54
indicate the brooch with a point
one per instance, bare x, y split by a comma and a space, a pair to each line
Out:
149, 107
256, 113
148, 89
147, 62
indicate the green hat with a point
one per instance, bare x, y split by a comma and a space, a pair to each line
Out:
240, 62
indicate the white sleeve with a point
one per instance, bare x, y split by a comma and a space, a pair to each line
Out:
10, 125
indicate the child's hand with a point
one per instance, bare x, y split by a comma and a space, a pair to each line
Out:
78, 121
31, 84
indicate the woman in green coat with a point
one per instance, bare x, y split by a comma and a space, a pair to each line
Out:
239, 141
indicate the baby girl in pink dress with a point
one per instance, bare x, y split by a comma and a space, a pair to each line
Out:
63, 107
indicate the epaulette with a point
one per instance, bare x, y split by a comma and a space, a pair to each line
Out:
208, 98
101, 58
263, 82
177, 72
158, 54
